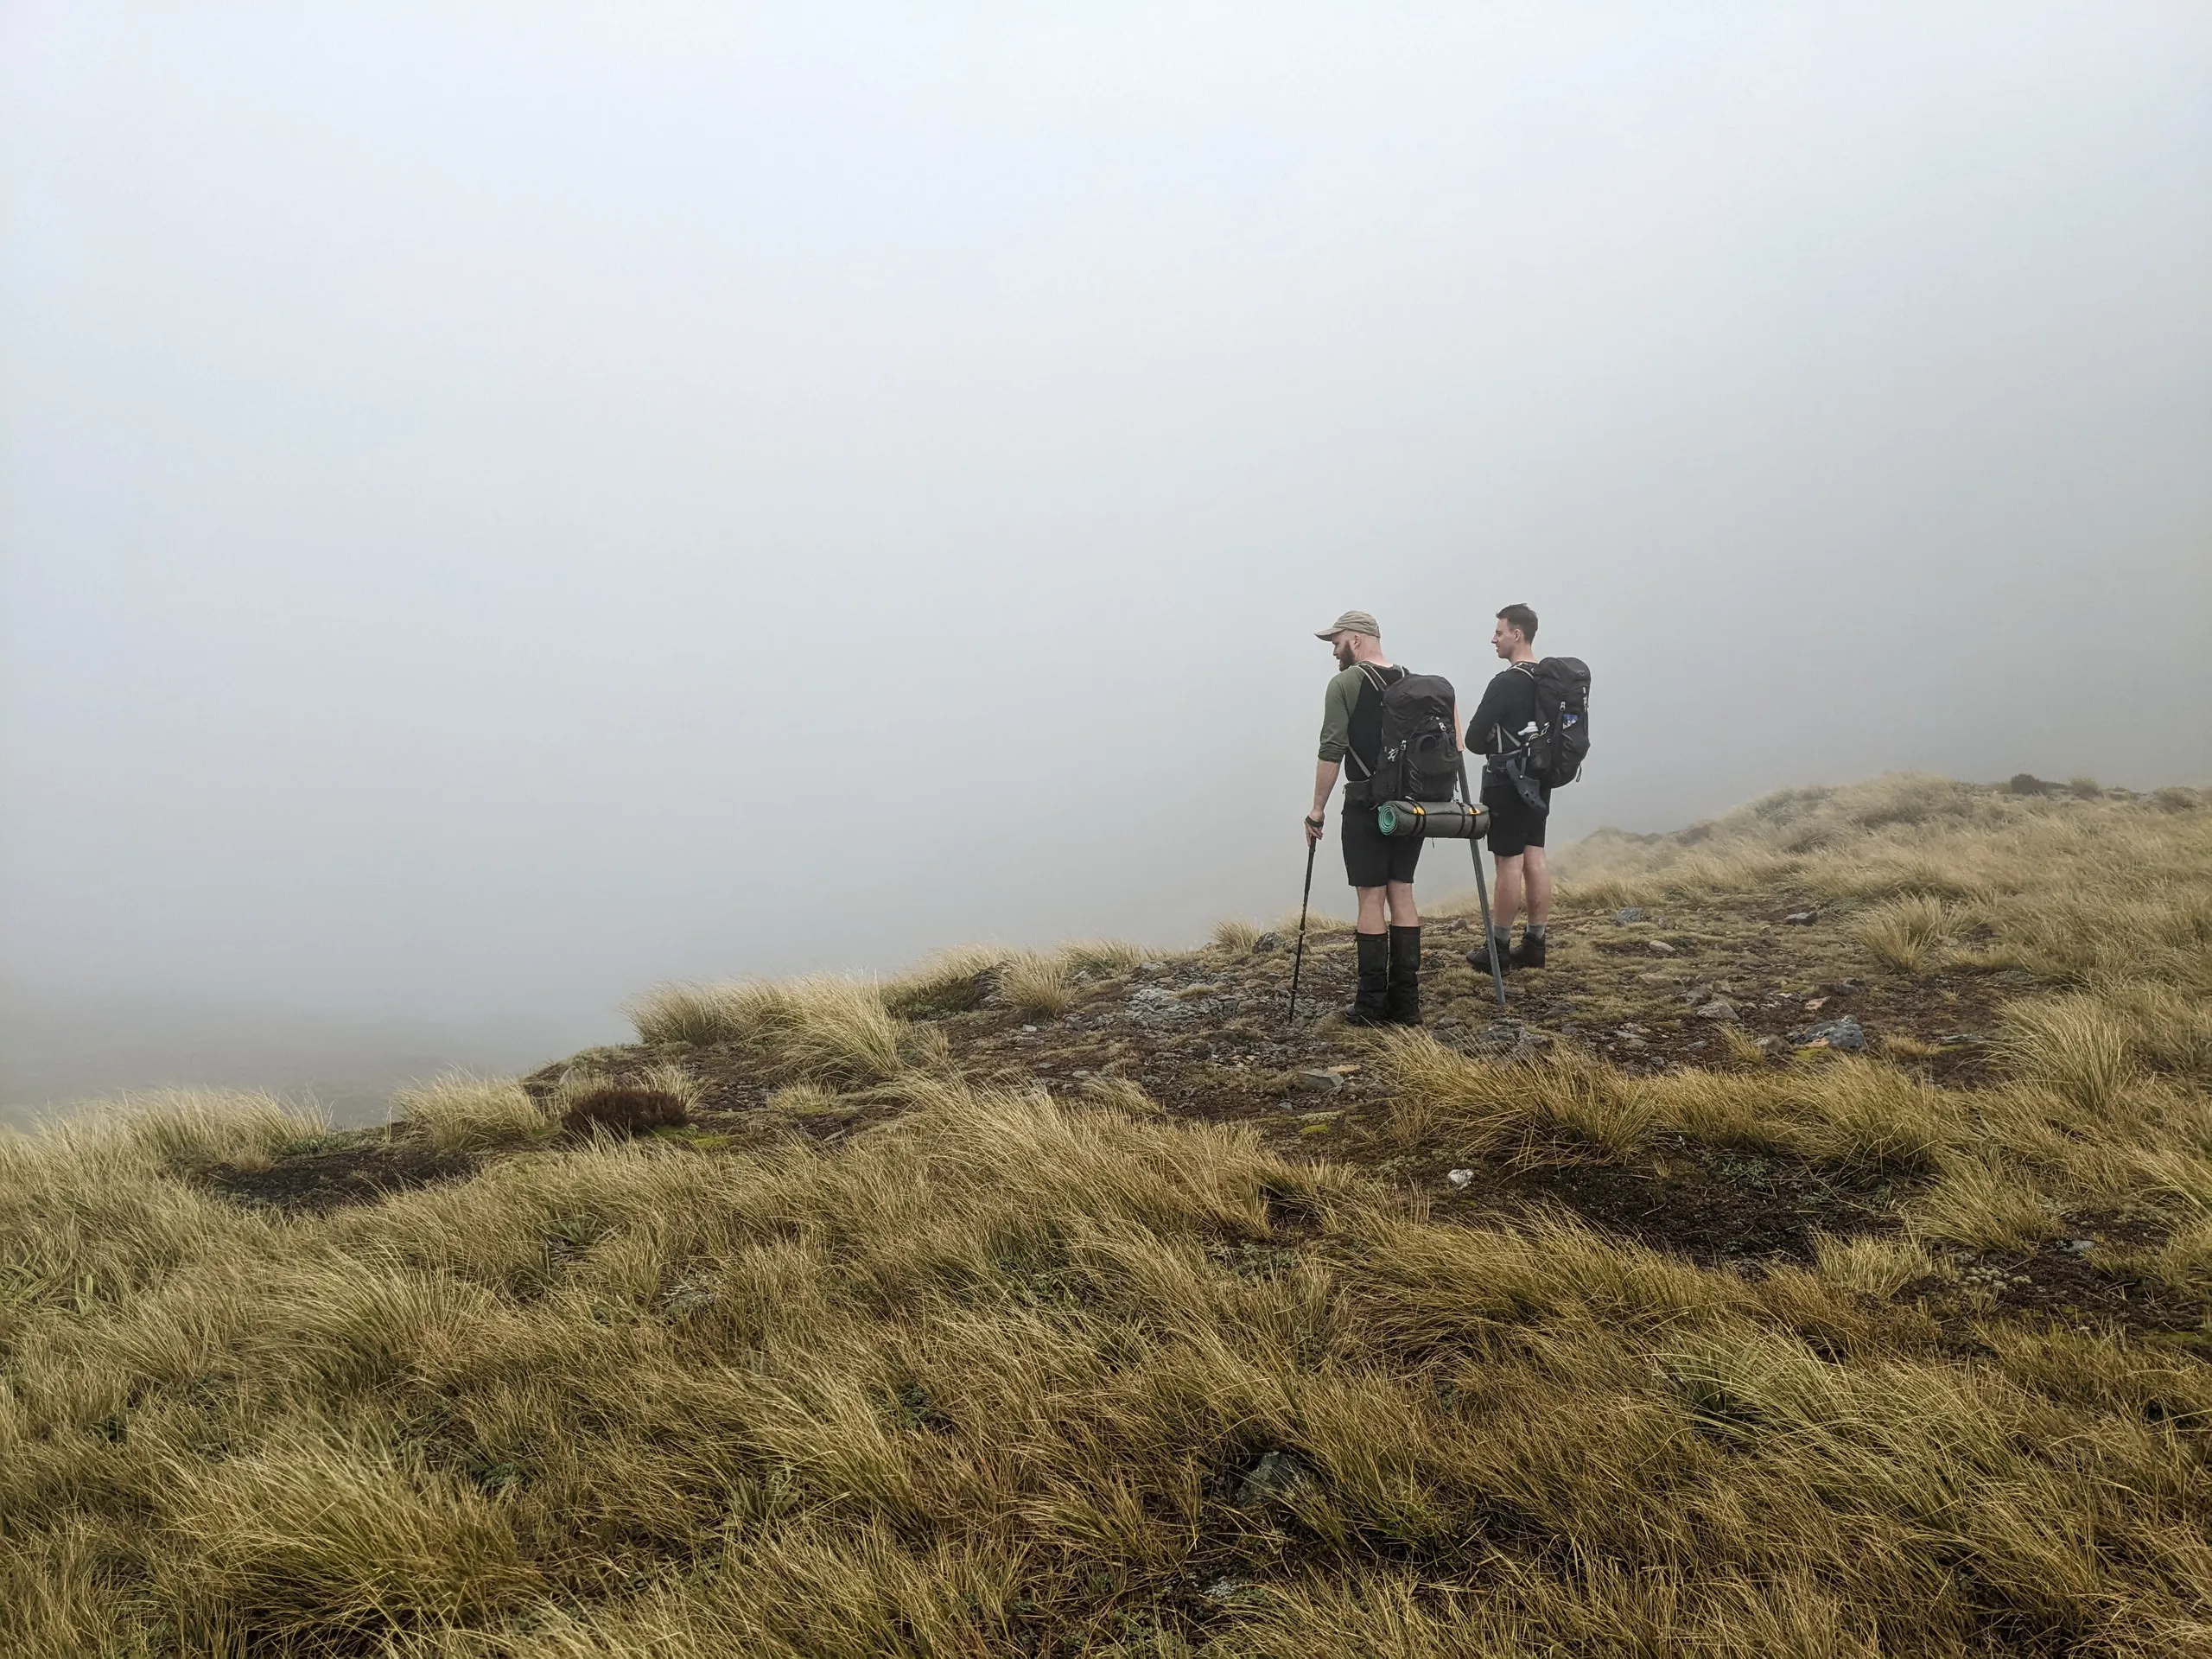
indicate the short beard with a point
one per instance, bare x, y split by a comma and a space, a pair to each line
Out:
1344, 657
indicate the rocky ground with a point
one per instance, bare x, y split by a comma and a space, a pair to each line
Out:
1208, 1035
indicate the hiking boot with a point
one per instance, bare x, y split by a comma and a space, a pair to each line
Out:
1371, 1005
1530, 953
1405, 975
1478, 959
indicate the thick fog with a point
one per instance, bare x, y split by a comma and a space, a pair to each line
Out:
506, 504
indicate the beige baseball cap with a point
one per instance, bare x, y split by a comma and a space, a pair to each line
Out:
1351, 622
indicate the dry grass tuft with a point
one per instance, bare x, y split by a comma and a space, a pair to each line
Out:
1906, 932
1101, 955
1983, 1205
1038, 985
186, 1128
951, 982
2071, 1043
828, 1028
462, 1112
1238, 937
1480, 1106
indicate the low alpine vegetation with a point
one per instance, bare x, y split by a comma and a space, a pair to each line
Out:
885, 1344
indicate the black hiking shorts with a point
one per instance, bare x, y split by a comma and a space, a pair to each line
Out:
1514, 826
1373, 858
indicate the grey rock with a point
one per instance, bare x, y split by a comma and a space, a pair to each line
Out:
1719, 1008
1275, 1475
1459, 1177
1800, 917
1843, 1034
1268, 942
1622, 918
1660, 947
1156, 1002
1320, 1082
2079, 1246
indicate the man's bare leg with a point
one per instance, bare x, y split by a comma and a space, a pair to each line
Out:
1535, 876
1374, 903
1398, 898
1508, 903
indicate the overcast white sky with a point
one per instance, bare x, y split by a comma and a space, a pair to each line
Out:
503, 504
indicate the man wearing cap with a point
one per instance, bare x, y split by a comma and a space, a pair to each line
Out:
1380, 867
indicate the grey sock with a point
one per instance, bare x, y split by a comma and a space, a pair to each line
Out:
1533, 930
1501, 937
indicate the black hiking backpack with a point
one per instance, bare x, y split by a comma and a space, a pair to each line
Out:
1419, 757
1554, 755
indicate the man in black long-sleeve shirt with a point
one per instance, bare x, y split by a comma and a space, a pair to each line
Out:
1516, 834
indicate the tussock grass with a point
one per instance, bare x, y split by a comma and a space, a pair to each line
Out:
1236, 936
1037, 984
1906, 932
1101, 955
826, 1028
462, 1112
184, 1127
949, 982
1001, 1374
997, 1374
1861, 1116
1984, 1205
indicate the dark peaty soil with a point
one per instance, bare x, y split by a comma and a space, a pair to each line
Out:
361, 1171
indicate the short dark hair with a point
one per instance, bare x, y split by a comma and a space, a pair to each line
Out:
1521, 617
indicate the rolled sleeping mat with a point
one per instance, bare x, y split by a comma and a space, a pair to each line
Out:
1433, 820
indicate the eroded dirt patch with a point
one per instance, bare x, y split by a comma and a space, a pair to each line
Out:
1711, 1205
329, 1178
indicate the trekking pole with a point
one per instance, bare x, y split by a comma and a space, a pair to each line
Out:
1482, 892
1298, 961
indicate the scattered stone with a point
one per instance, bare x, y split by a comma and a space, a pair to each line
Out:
1268, 942
1225, 1590
1527, 1045
689, 1299
1622, 918
1275, 1475
1660, 947
1459, 1177
1842, 1033
1156, 1002
1719, 1008
1030, 1028
1320, 1082
1962, 1039
2079, 1246
1630, 1041
1801, 919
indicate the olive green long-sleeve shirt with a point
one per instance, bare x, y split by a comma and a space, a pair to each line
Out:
1337, 705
